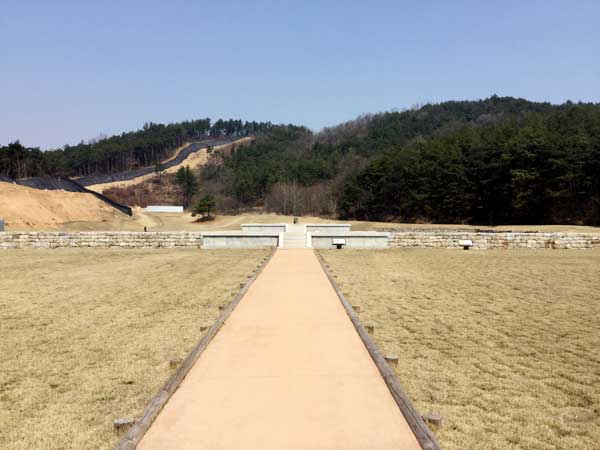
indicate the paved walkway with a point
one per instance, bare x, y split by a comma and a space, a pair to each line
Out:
287, 371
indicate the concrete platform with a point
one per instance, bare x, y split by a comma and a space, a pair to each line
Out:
287, 371
240, 239
352, 239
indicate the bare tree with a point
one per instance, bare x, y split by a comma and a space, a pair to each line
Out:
293, 199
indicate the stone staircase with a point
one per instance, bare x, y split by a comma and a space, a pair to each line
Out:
294, 237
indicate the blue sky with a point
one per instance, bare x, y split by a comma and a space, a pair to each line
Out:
71, 70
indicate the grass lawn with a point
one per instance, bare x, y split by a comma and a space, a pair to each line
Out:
86, 335
504, 344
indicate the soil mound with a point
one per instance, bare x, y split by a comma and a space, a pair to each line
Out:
26, 208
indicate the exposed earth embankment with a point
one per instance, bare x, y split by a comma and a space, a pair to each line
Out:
194, 155
27, 208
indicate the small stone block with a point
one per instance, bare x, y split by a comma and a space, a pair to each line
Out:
121, 425
433, 419
221, 307
392, 360
204, 328
175, 362
370, 328
356, 308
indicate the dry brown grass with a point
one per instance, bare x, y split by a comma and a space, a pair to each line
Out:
86, 335
185, 222
177, 222
504, 344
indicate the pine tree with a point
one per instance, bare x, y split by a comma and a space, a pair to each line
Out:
204, 206
188, 184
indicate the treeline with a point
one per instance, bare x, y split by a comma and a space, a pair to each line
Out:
495, 161
500, 160
142, 148
544, 168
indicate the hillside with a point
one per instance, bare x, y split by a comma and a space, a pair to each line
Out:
500, 160
143, 148
194, 160
25, 208
489, 162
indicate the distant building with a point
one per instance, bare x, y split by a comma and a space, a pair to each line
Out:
165, 209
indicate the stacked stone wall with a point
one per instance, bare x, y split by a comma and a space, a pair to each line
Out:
100, 239
396, 239
496, 240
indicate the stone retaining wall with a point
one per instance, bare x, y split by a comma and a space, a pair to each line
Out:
505, 240
100, 239
397, 239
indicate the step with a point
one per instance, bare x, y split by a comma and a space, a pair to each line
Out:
294, 239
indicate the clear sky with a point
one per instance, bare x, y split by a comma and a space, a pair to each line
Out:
70, 70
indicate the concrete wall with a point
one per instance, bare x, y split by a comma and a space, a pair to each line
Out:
354, 239
99, 239
239, 239
450, 239
164, 209
327, 227
264, 227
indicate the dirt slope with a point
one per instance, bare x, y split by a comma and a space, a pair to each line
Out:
25, 208
194, 160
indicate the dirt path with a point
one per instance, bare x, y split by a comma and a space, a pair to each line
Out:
286, 371
194, 160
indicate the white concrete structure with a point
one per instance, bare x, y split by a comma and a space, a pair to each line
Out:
318, 235
265, 227
350, 239
327, 227
239, 239
164, 209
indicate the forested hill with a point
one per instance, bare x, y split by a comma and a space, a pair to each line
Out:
127, 151
499, 160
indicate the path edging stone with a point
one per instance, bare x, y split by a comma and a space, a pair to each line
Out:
416, 423
134, 435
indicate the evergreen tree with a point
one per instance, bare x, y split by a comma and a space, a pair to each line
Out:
204, 206
187, 183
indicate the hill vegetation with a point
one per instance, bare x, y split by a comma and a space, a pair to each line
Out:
500, 160
143, 148
494, 161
